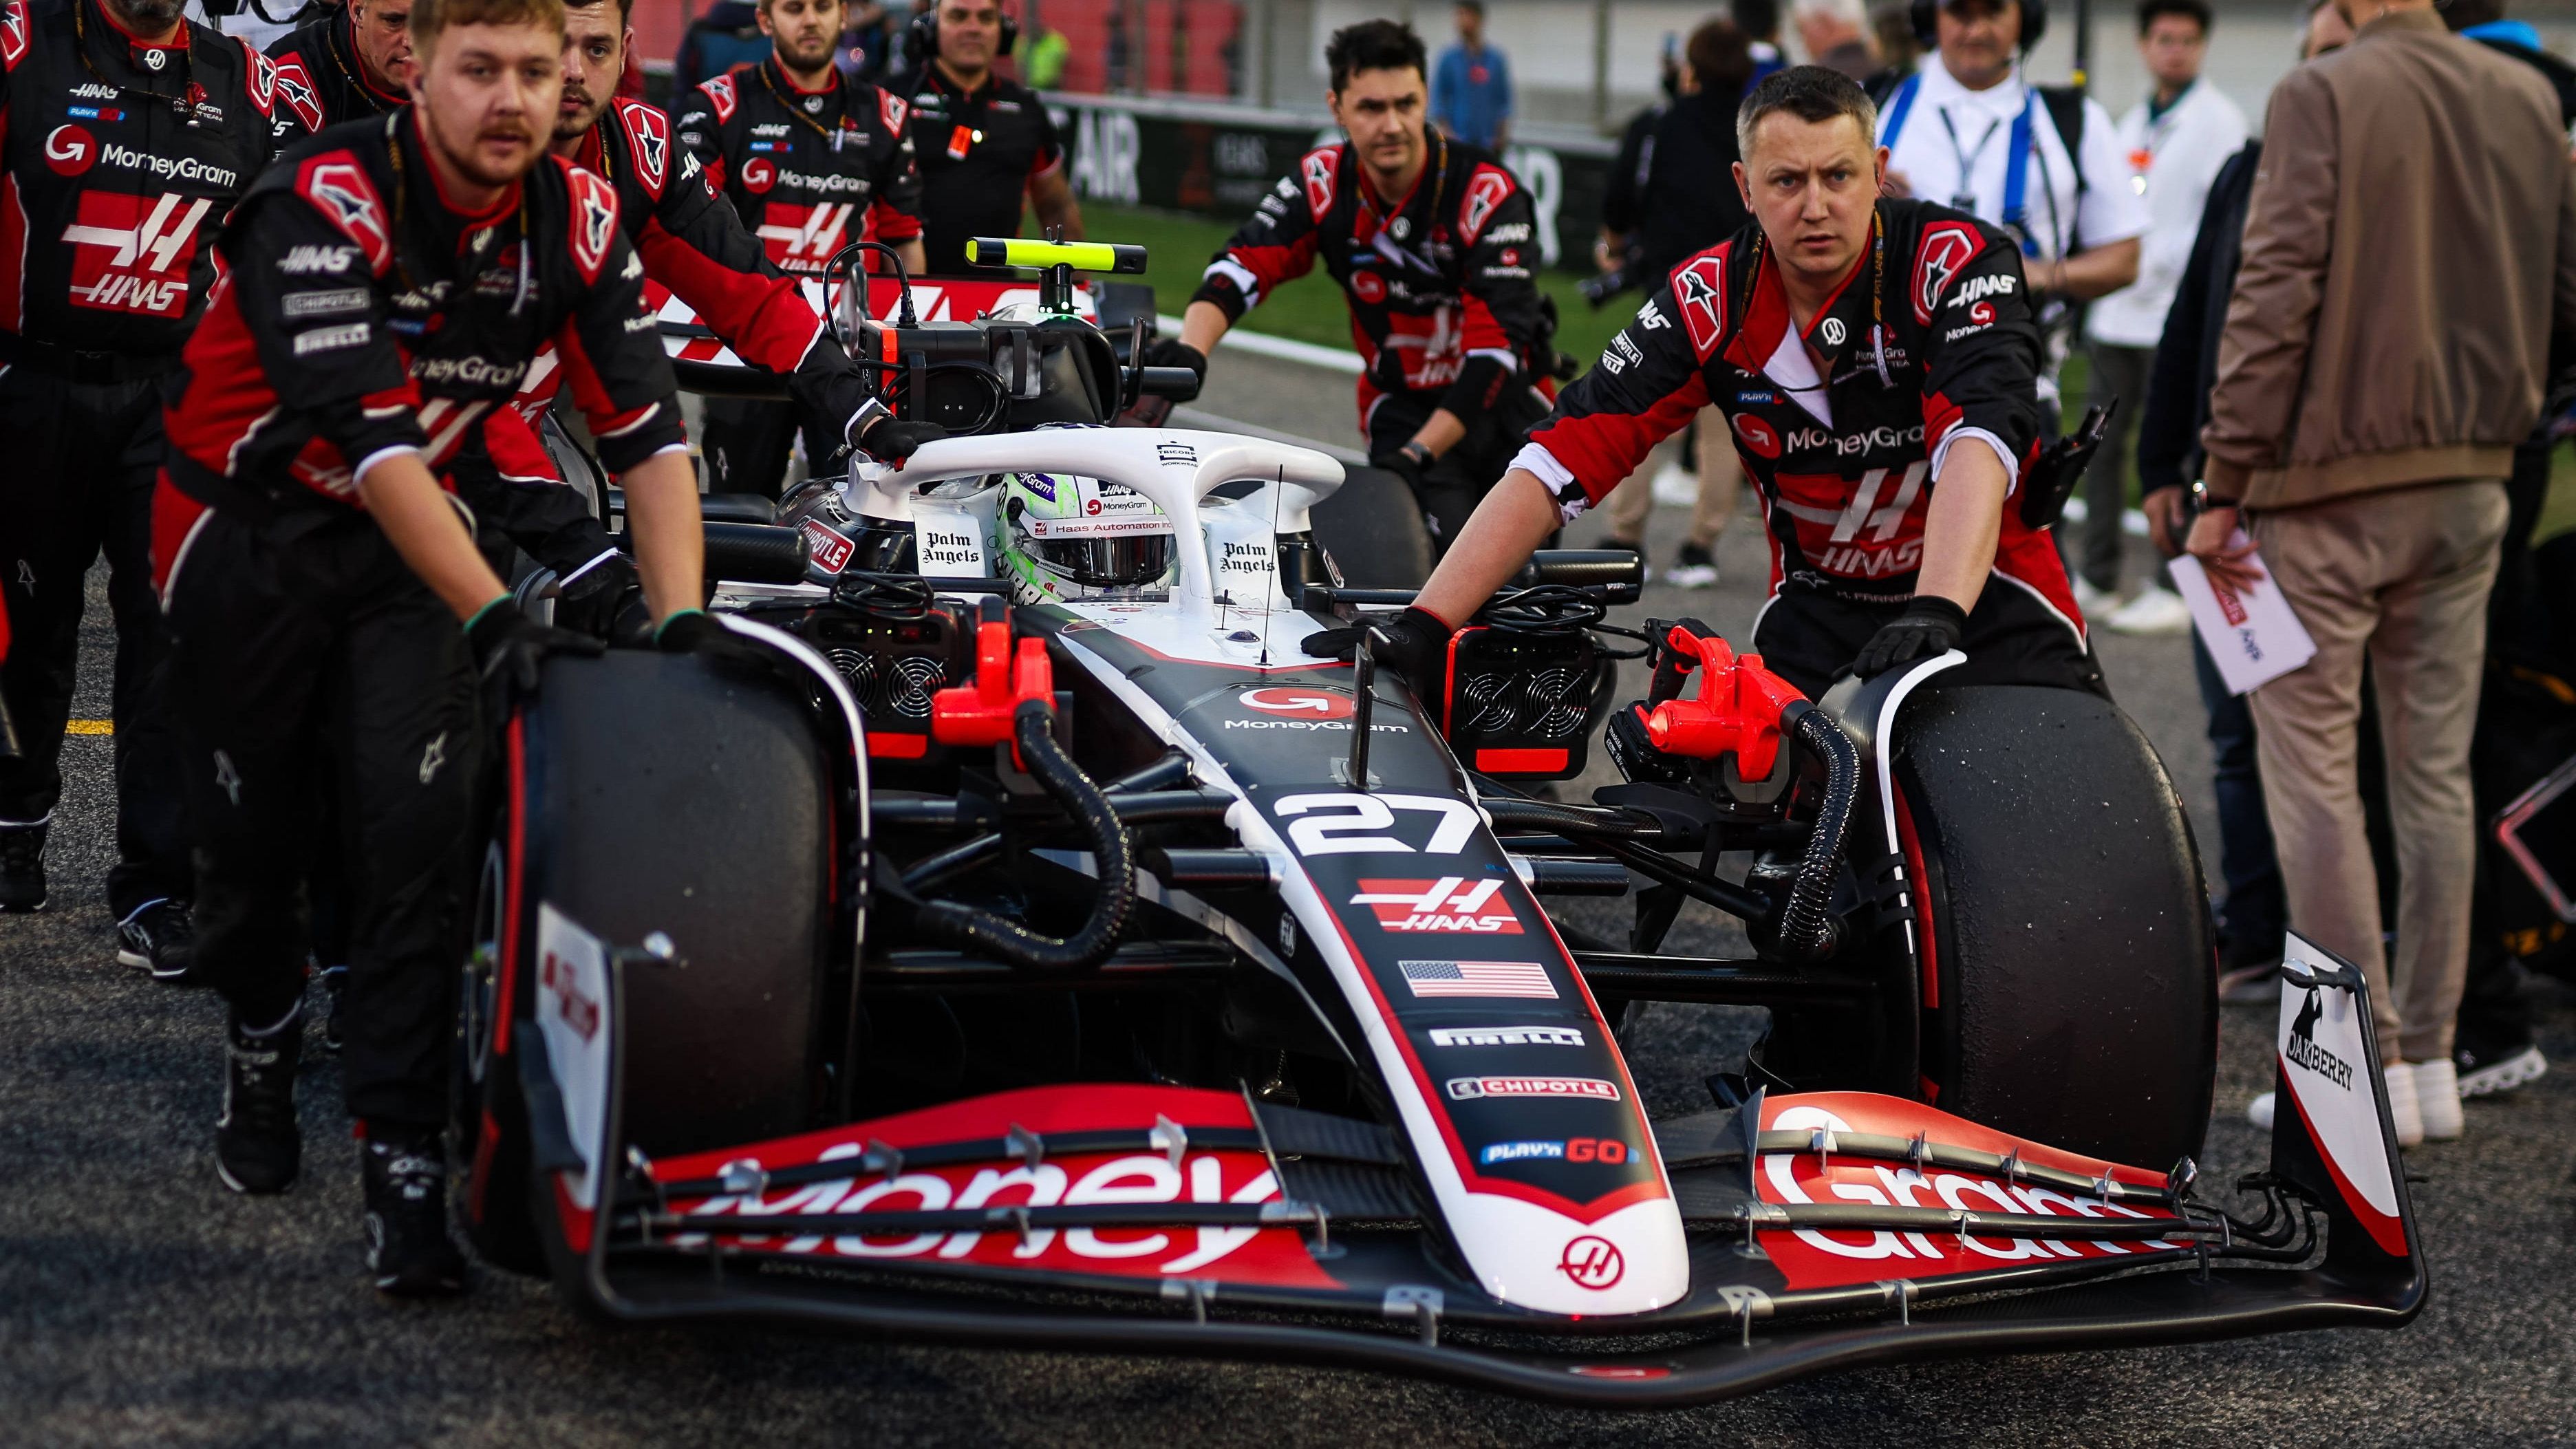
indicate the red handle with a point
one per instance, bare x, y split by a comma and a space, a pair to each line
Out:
1737, 708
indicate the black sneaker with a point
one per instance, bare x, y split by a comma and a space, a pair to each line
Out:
257, 1146
158, 938
2490, 1066
1695, 569
408, 1249
22, 867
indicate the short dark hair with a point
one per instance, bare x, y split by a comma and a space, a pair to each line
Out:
1719, 56
1758, 19
1374, 45
625, 8
2461, 14
1477, 7
2195, 11
1809, 92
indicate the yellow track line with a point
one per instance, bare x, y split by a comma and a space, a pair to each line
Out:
89, 727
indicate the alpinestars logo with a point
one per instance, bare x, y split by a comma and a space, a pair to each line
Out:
1946, 250
803, 238
1699, 285
2304, 1051
134, 251
1484, 193
296, 89
1319, 182
1452, 905
13, 34
651, 133
594, 222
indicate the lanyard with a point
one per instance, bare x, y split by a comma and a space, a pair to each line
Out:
1900, 109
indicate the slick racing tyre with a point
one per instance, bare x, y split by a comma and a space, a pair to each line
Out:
649, 792
1372, 529
2072, 995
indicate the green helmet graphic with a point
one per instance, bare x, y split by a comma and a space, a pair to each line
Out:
1062, 537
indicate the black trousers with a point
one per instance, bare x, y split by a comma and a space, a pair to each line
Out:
746, 444
76, 482
1807, 636
1458, 481
330, 714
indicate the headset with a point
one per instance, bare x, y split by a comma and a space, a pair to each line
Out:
921, 37
1924, 13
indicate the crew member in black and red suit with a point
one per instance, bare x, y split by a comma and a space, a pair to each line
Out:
352, 62
984, 141
1433, 244
1877, 362
126, 134
810, 161
387, 284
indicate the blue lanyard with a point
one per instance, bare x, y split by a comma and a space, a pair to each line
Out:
2016, 165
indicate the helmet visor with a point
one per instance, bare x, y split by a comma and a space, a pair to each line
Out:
1122, 561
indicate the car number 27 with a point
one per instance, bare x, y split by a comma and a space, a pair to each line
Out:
1348, 823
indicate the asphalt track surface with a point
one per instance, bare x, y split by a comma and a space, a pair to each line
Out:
141, 1303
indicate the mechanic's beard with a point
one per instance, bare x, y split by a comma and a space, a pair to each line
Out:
806, 61
470, 162
150, 17
584, 115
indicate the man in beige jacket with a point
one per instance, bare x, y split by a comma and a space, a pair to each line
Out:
2411, 240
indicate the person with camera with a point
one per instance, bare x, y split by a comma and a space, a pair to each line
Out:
810, 161
1877, 363
385, 285
1434, 246
982, 140
1658, 210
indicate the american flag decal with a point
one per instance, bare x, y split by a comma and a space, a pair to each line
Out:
1478, 978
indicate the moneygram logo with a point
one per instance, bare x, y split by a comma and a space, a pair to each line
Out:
1451, 904
1316, 704
170, 168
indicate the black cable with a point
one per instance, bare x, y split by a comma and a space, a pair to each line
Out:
1807, 928
1112, 855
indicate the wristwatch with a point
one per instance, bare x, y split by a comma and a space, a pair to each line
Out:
2201, 500
1418, 453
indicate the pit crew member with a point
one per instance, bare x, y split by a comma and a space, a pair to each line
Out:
1875, 359
126, 134
810, 161
387, 282
1433, 244
983, 141
352, 62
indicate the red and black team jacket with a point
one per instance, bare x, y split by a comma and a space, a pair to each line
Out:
118, 162
362, 315
320, 80
808, 171
1928, 345
1443, 304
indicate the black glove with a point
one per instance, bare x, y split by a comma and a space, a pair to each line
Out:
892, 439
510, 652
1415, 644
1173, 352
590, 601
695, 631
1408, 462
1930, 626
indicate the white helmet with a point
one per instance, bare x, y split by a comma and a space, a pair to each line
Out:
1061, 536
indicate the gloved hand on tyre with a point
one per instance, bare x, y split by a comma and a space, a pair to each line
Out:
603, 598
510, 651
695, 631
1929, 627
1409, 461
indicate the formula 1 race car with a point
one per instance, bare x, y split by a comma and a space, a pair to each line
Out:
1112, 972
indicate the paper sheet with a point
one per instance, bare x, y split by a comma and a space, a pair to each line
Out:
2253, 636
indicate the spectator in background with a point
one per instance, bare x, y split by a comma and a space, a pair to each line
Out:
2251, 922
2364, 451
2176, 141
2041, 161
1760, 22
1892, 21
1660, 209
1471, 86
1836, 36
728, 35
983, 140
2484, 22
863, 41
1042, 57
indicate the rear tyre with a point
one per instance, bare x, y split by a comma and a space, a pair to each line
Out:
1372, 530
2074, 995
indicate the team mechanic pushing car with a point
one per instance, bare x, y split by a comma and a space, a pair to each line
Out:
1875, 359
387, 280
1433, 244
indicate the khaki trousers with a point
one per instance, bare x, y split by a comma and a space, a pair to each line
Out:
2400, 578
1721, 480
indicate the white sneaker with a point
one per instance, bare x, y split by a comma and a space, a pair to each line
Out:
2156, 610
2092, 600
1675, 487
2437, 1099
2403, 1108
2259, 1111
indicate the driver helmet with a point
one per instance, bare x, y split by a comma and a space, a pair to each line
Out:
1062, 537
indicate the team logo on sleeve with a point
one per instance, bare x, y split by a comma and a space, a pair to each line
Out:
720, 91
1699, 285
261, 78
295, 88
1319, 182
648, 136
340, 190
891, 110
1487, 191
13, 33
1945, 251
594, 221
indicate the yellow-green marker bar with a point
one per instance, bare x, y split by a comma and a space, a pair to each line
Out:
988, 251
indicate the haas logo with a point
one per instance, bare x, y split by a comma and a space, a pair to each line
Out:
802, 238
1946, 250
131, 259
1592, 1262
1483, 194
1319, 182
69, 150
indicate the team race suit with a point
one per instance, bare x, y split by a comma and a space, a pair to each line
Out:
322, 80
808, 172
118, 160
1444, 309
364, 316
1927, 346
